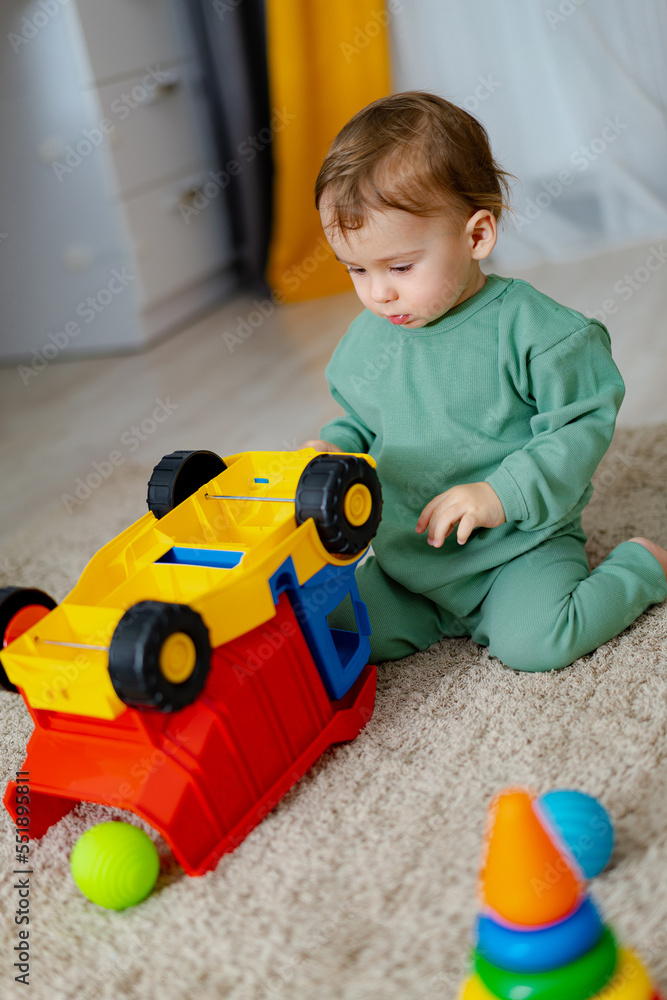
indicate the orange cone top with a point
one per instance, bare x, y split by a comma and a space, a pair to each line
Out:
525, 878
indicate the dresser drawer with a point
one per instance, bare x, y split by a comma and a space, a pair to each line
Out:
173, 253
124, 37
156, 126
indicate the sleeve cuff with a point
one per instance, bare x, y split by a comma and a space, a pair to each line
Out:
346, 442
509, 494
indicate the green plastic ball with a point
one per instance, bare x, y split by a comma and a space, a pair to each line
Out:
115, 865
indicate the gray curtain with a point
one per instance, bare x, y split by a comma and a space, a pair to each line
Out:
231, 35
574, 97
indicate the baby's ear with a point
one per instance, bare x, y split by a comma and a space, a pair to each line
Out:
482, 230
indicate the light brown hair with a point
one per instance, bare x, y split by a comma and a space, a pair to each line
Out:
413, 151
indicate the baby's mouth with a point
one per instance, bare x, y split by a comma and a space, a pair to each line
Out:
399, 318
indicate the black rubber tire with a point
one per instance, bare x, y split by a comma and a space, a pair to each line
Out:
178, 475
12, 599
134, 656
320, 494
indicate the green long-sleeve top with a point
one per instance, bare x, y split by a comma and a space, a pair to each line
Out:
509, 387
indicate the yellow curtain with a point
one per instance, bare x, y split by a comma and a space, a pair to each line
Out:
327, 60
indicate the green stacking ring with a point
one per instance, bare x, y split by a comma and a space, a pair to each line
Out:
576, 981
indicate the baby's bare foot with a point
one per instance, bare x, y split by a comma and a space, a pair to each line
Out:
659, 553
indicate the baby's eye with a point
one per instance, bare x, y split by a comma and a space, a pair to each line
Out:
400, 269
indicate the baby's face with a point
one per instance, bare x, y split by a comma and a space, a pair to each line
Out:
409, 269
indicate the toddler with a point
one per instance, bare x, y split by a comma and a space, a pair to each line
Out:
487, 406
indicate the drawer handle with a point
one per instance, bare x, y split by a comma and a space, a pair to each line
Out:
187, 196
165, 88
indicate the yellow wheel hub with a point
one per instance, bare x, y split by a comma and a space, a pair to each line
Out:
178, 657
358, 504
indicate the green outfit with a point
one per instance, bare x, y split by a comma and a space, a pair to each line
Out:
514, 389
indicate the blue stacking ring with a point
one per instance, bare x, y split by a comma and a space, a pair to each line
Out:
543, 948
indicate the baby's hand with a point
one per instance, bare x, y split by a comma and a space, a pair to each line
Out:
475, 505
321, 446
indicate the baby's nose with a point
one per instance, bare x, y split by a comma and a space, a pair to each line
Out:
382, 291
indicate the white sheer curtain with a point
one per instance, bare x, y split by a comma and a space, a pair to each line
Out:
573, 94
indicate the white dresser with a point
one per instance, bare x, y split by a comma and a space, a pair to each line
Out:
114, 222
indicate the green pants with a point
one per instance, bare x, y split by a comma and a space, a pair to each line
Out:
542, 610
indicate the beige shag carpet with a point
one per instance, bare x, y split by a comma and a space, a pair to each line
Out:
361, 883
